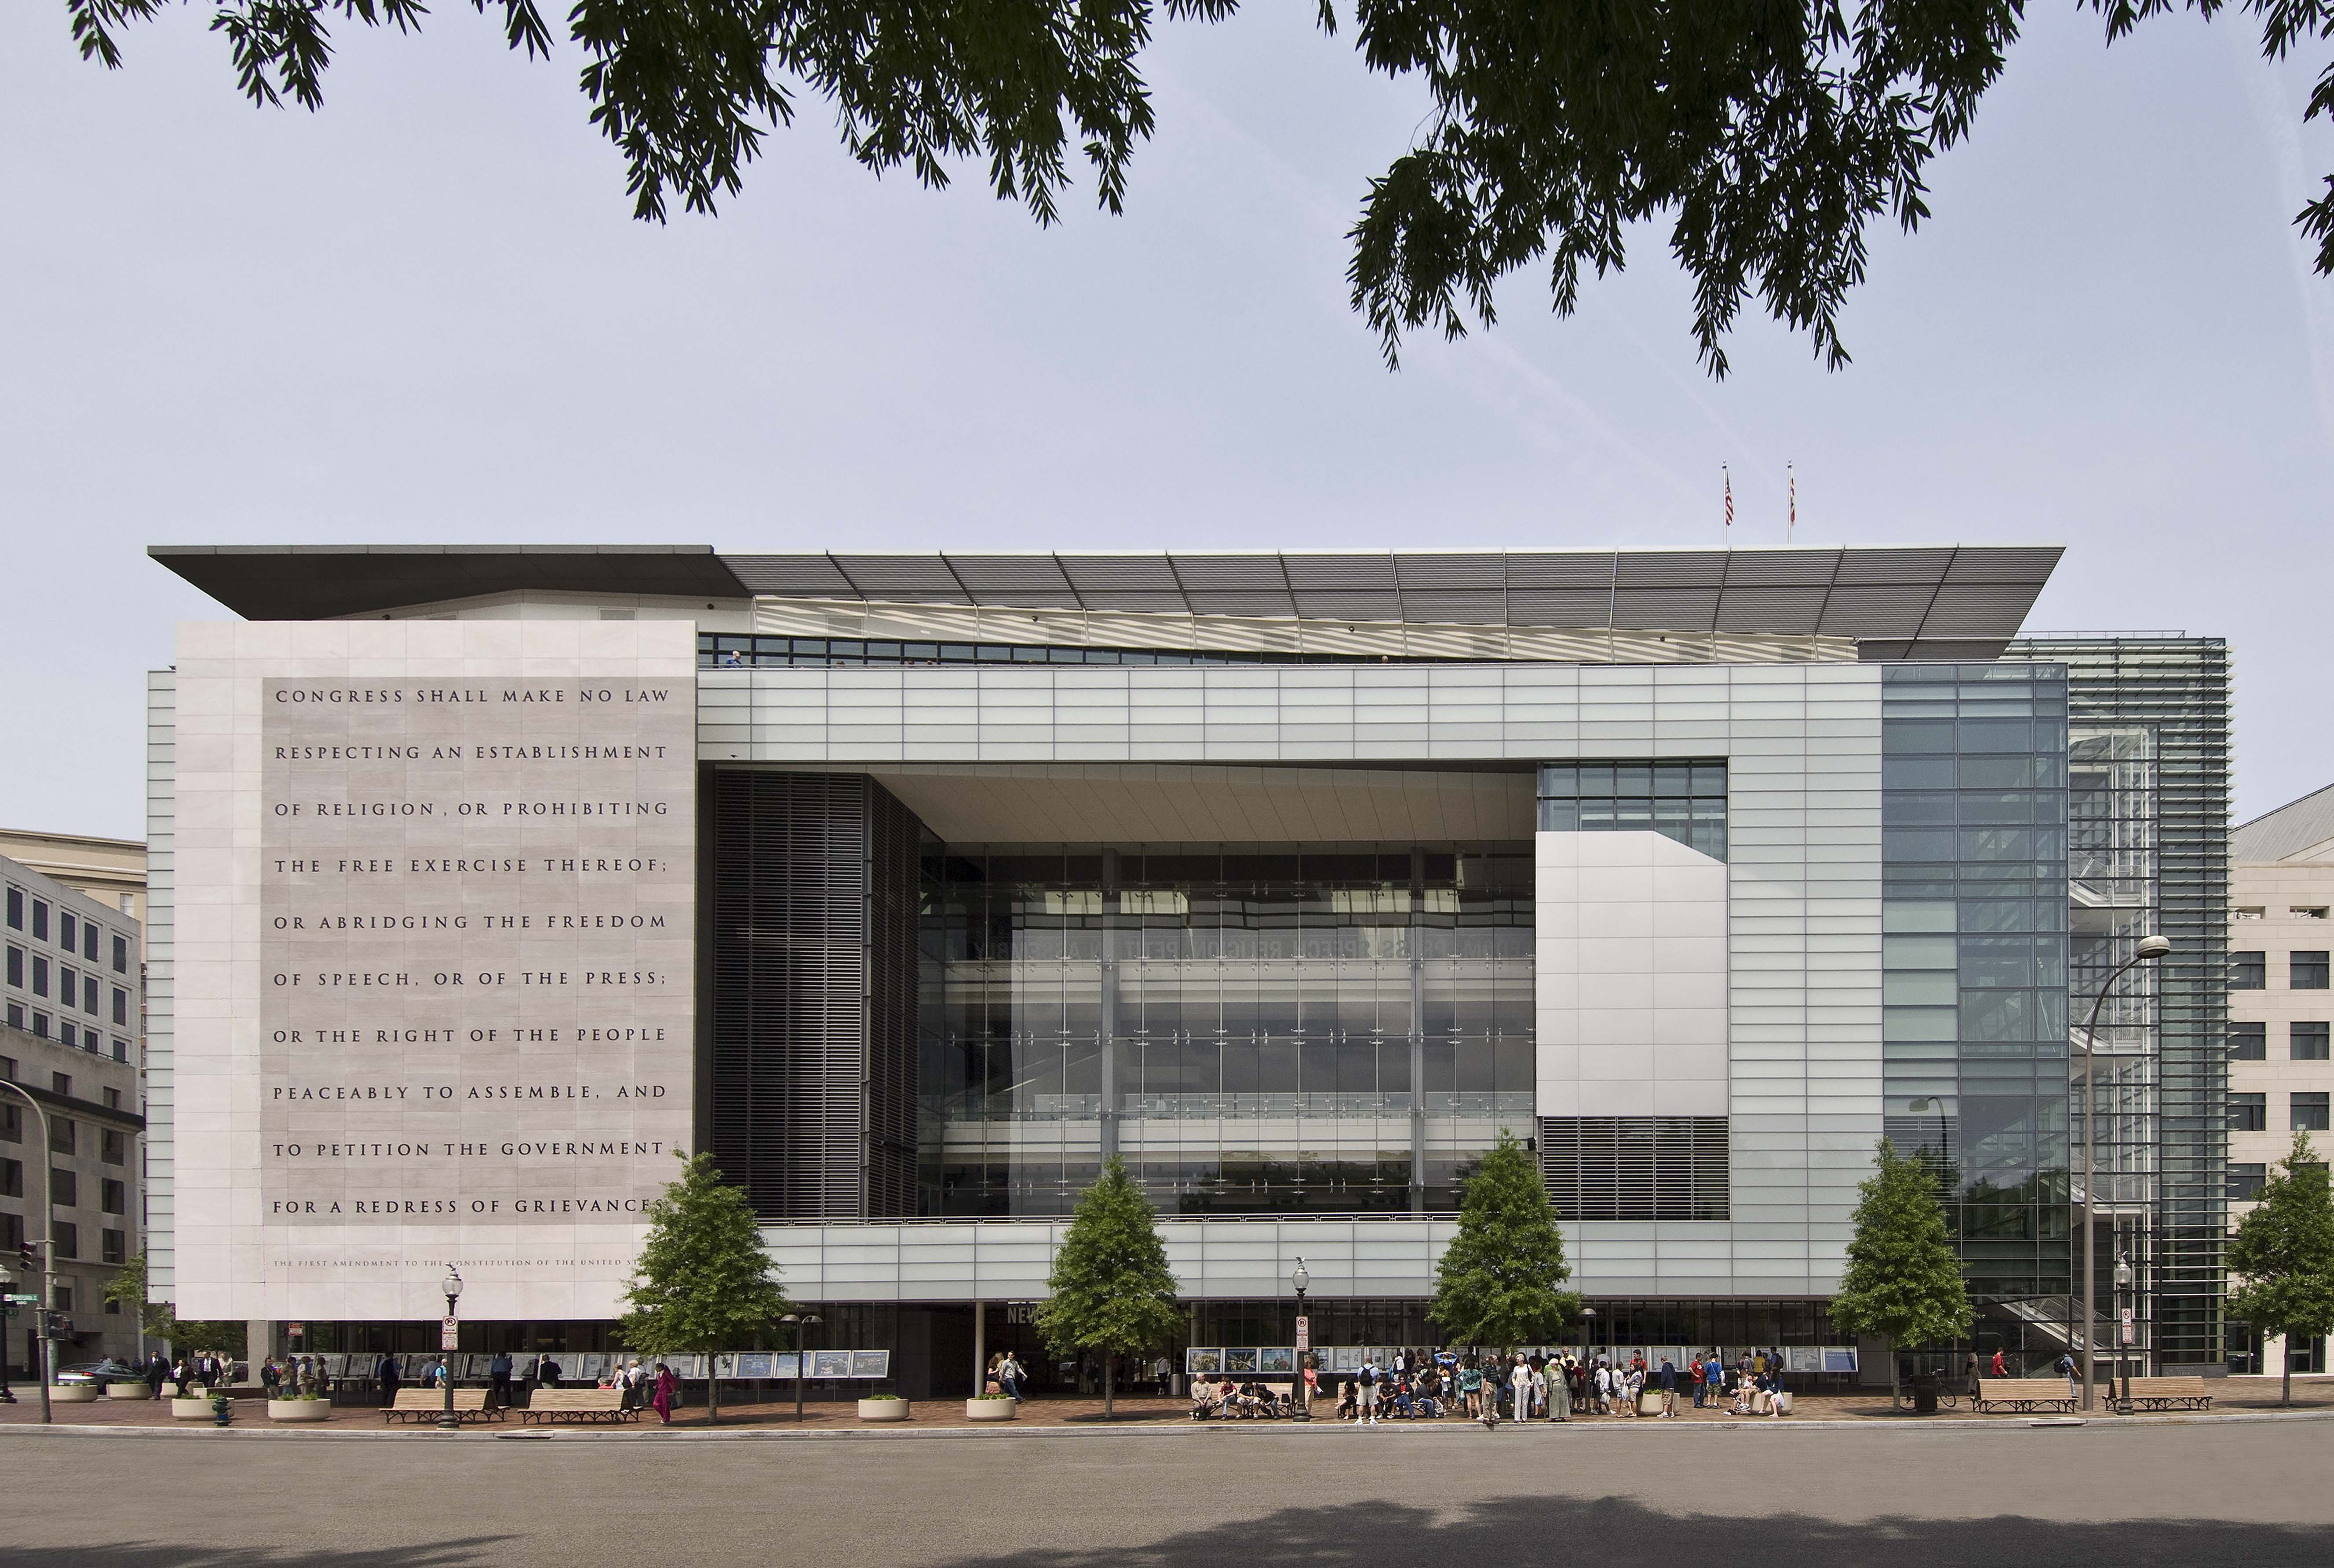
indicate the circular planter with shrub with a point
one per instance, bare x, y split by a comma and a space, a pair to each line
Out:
299, 1409
74, 1394
883, 1407
192, 1407
991, 1408
127, 1391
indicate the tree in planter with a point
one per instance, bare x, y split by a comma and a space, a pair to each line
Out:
2284, 1253
703, 1283
1903, 1281
1111, 1289
1501, 1281
127, 1289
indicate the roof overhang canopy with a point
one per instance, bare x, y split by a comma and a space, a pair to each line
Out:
327, 582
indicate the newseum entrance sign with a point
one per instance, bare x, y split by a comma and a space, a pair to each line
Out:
446, 1004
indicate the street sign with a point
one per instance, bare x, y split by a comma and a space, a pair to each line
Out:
1305, 1333
450, 1336
23, 1300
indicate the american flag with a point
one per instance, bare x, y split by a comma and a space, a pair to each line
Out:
1729, 494
1792, 527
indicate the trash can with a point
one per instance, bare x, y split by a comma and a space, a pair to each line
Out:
1924, 1393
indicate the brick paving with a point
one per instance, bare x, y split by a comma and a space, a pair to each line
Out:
2231, 1395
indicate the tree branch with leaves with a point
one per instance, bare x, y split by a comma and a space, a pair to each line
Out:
702, 1284
2282, 1255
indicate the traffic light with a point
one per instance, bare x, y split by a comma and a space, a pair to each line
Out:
25, 1257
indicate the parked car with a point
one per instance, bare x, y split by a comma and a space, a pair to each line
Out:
108, 1370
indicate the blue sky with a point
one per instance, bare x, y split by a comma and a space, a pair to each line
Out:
425, 314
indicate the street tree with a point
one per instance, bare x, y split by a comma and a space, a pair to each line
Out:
1904, 1282
1767, 140
2283, 1253
702, 1283
1501, 1281
160, 1319
1109, 1289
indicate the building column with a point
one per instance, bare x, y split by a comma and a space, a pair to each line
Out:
258, 1343
979, 1348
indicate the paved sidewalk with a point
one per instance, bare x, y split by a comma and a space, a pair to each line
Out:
2233, 1396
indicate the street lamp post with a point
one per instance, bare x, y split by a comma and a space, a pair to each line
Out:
452, 1287
2122, 1283
2150, 948
7, 1315
46, 1241
1587, 1330
1300, 1277
798, 1320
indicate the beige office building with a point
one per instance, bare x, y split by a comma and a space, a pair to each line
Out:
111, 871
2281, 1012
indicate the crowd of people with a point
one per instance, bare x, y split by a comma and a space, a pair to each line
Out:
1412, 1385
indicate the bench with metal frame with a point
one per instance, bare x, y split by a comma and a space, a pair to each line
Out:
577, 1405
2166, 1394
2023, 1395
429, 1405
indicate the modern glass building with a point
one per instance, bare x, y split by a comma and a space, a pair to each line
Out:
1296, 879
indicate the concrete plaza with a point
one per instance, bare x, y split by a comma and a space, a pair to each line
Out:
2245, 1491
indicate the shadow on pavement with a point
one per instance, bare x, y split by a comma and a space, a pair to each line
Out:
1606, 1532
465, 1552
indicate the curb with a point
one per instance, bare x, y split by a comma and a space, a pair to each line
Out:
994, 1432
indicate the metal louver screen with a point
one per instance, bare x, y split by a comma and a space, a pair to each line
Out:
814, 993
1635, 1167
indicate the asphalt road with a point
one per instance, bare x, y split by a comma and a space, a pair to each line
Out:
2253, 1494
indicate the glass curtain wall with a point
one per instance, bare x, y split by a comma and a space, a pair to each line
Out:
1974, 958
1340, 1029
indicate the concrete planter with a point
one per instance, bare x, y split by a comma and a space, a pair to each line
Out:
991, 1410
127, 1391
882, 1409
1649, 1401
299, 1409
74, 1394
194, 1409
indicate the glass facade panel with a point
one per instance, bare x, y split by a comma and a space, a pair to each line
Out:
1681, 800
1973, 806
1340, 1030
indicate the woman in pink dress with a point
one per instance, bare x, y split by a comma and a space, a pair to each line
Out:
668, 1389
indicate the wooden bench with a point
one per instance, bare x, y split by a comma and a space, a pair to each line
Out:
2023, 1395
430, 1404
2167, 1394
1278, 1395
577, 1405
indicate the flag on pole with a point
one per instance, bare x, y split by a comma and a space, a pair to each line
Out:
1792, 527
1730, 495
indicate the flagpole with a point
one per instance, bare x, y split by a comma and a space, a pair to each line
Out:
1728, 478
1792, 527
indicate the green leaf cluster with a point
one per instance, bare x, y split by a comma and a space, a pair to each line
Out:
1500, 1280
1903, 1281
2283, 1253
1110, 1288
1767, 138
702, 1282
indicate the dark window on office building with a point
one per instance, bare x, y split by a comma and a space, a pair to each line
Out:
2248, 1042
2249, 1112
15, 908
2308, 1113
11, 1179
40, 975
2306, 1042
121, 1004
39, 921
2308, 971
113, 1146
17, 966
2248, 971
61, 1135
121, 955
67, 1237
113, 1246
64, 1188
113, 1197
2246, 1180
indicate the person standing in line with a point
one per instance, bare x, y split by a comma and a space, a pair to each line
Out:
384, 1378
1520, 1381
498, 1380
1365, 1387
1669, 1391
1559, 1390
158, 1372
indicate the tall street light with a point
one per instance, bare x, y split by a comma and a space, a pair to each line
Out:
452, 1288
2149, 950
2123, 1283
798, 1320
39, 1349
1300, 1278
